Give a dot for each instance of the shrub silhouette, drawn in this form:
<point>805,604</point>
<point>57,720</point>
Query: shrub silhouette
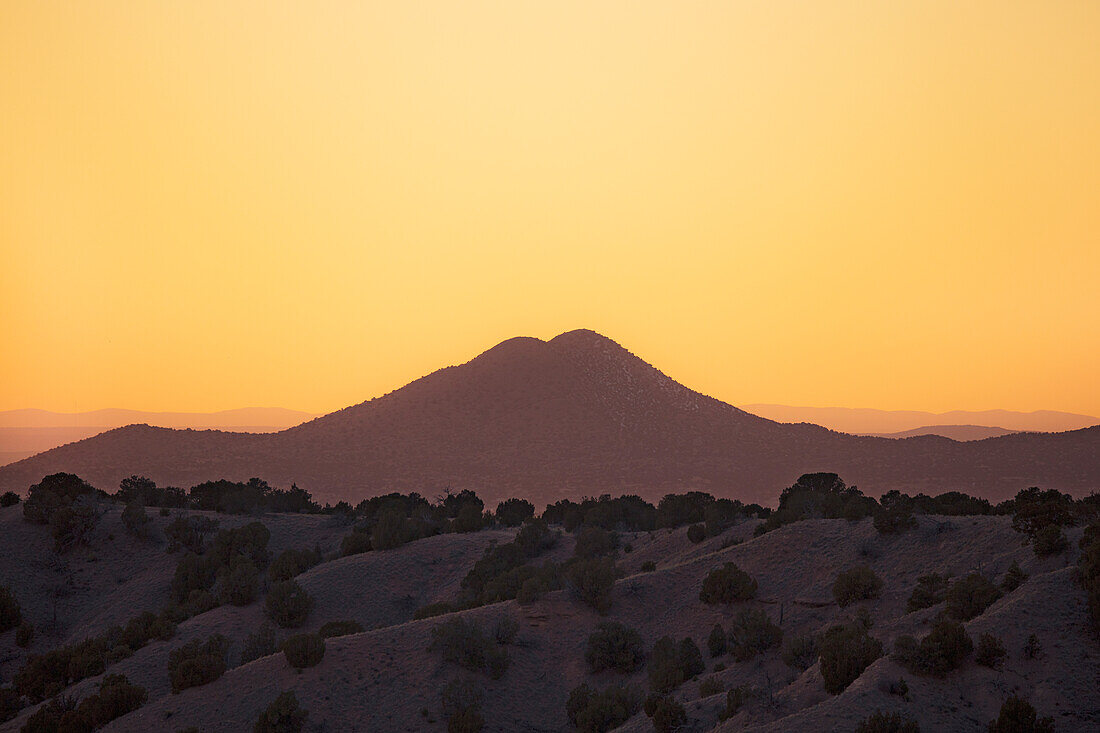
<point>1014,578</point>
<point>240,582</point>
<point>943,650</point>
<point>24,634</point>
<point>390,530</point>
<point>469,519</point>
<point>505,631</point>
<point>48,718</point>
<point>845,652</point>
<point>462,706</point>
<point>356,542</point>
<point>595,542</point>
<point>10,613</point>
<point>817,495</point>
<point>288,605</point>
<point>648,566</point>
<point>1018,716</point>
<point>717,641</point>
<point>304,650</point>
<point>332,629</point>
<point>894,519</point>
<point>9,704</point>
<point>597,711</point>
<point>727,584</point>
<point>292,562</point>
<point>9,498</point>
<point>858,584</point>
<point>665,671</point>
<point>800,652</point>
<point>1034,509</point>
<point>136,520</point>
<point>72,525</point>
<point>970,596</point>
<point>991,651</point>
<point>614,646</point>
<point>1032,648</point>
<point>197,662</point>
<point>691,659</point>
<point>259,644</point>
<point>696,533</point>
<point>667,713</point>
<point>462,642</point>
<point>880,722</point>
<point>1049,540</point>
<point>593,580</point>
<point>283,715</point>
<point>514,512</point>
<point>751,632</point>
<point>735,700</point>
<point>711,686</point>
<point>189,533</point>
<point>930,590</point>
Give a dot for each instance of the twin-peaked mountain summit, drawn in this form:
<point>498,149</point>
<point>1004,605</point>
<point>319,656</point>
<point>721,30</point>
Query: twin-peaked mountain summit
<point>575,415</point>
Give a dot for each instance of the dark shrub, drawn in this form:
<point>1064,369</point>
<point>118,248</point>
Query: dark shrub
<point>991,651</point>
<point>136,520</point>
<point>505,631</point>
<point>668,715</point>
<point>10,613</point>
<point>1034,509</point>
<point>304,650</point>
<point>857,584</point>
<point>648,566</point>
<point>970,596</point>
<point>1018,716</point>
<point>260,644</point>
<point>48,717</point>
<point>943,650</point>
<point>931,589</point>
<point>1014,578</point>
<point>800,652</point>
<point>691,659</point>
<point>469,519</point>
<point>595,542</point>
<point>1049,540</point>
<point>727,584</point>
<point>716,642</point>
<point>248,542</point>
<point>197,662</point>
<point>288,604</point>
<point>535,537</point>
<point>9,703</point>
<point>193,573</point>
<point>665,671</point>
<point>283,715</point>
<point>290,563</point>
<point>189,533</point>
<point>72,525</point>
<point>696,533</point>
<point>53,493</point>
<point>355,543</point>
<point>24,634</point>
<point>593,711</point>
<point>9,498</point>
<point>735,699</point>
<point>462,642</point>
<point>1032,648</point>
<point>845,652</point>
<point>593,580</point>
<point>390,530</point>
<point>514,512</point>
<point>752,632</point>
<point>333,629</point>
<point>880,722</point>
<point>711,686</point>
<point>116,697</point>
<point>894,519</point>
<point>239,582</point>
<point>615,646</point>
<point>462,706</point>
<point>818,495</point>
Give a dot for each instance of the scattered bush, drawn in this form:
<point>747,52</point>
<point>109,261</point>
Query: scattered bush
<point>505,631</point>
<point>1034,509</point>
<point>304,650</point>
<point>615,646</point>
<point>800,652</point>
<point>9,498</point>
<point>462,707</point>
<point>332,629</point>
<point>717,641</point>
<point>24,634</point>
<point>469,519</point>
<point>727,584</point>
<point>10,613</point>
<point>1014,578</point>
<point>514,512</point>
<point>752,632</point>
<point>845,652</point>
<point>991,651</point>
<point>667,713</point>
<point>189,533</point>
<point>818,495</point>
<point>283,715</point>
<point>880,722</point>
<point>968,597</point>
<point>857,584</point>
<point>930,590</point>
<point>197,662</point>
<point>648,566</point>
<point>136,520</point>
<point>1032,648</point>
<point>895,518</point>
<point>288,604</point>
<point>735,700</point>
<point>356,542</point>
<point>943,650</point>
<point>9,703</point>
<point>670,664</point>
<point>696,533</point>
<point>592,581</point>
<point>691,659</point>
<point>592,711</point>
<point>260,644</point>
<point>290,563</point>
<point>711,686</point>
<point>1018,716</point>
<point>462,642</point>
<point>48,717</point>
<point>595,542</point>
<point>239,583</point>
<point>1049,540</point>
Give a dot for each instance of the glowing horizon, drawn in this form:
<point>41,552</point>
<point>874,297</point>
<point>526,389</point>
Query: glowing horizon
<point>223,204</point>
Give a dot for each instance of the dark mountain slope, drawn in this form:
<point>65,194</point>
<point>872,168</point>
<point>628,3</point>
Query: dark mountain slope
<point>572,416</point>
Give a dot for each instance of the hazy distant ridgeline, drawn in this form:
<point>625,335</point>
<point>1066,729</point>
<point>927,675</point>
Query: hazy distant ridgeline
<point>576,415</point>
<point>867,421</point>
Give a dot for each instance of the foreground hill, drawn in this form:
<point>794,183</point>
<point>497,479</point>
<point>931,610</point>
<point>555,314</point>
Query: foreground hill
<point>574,415</point>
<point>386,678</point>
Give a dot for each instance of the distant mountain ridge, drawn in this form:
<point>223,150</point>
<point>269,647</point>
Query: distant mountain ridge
<point>576,415</point>
<point>869,421</point>
<point>954,432</point>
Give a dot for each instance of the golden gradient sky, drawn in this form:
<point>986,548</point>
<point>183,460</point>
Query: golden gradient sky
<point>206,205</point>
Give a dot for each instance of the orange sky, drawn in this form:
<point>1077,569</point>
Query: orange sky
<point>207,205</point>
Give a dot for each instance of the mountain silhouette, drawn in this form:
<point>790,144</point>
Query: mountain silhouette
<point>576,415</point>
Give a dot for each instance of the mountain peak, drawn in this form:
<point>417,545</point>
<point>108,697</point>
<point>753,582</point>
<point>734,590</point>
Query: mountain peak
<point>582,338</point>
